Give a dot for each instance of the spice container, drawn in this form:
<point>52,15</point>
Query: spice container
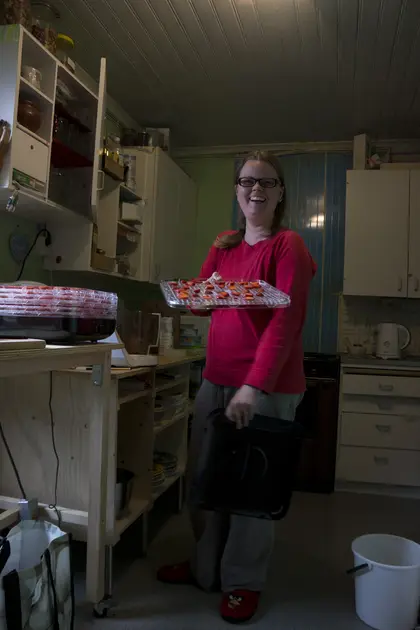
<point>17,12</point>
<point>65,47</point>
<point>29,115</point>
<point>44,18</point>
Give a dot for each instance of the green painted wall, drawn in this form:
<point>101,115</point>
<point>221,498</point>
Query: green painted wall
<point>9,224</point>
<point>214,177</point>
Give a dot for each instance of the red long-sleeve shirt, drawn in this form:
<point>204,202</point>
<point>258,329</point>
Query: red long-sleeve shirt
<point>263,347</point>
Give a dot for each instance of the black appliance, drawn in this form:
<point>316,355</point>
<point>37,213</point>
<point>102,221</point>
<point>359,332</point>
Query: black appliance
<point>318,414</point>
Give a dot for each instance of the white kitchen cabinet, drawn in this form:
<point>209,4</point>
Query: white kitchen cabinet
<point>169,223</point>
<point>165,204</point>
<point>379,431</point>
<point>376,233</point>
<point>414,234</point>
<point>56,167</point>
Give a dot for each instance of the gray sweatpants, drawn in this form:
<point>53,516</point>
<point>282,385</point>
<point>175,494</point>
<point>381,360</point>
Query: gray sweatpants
<point>230,551</point>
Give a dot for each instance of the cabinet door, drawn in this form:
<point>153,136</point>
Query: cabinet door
<point>414,234</point>
<point>165,259</point>
<point>376,237</point>
<point>99,137</point>
<point>187,225</point>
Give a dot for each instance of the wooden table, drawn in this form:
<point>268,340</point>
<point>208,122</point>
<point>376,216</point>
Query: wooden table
<point>25,397</point>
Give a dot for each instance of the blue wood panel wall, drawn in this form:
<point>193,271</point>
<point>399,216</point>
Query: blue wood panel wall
<point>315,208</point>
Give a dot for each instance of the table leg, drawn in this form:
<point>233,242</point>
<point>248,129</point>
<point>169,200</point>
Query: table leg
<point>98,451</point>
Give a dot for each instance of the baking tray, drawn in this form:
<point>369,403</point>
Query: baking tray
<point>211,294</point>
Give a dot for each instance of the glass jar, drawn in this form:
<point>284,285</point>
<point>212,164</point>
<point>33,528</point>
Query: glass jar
<point>29,115</point>
<point>44,18</point>
<point>17,12</point>
<point>65,47</point>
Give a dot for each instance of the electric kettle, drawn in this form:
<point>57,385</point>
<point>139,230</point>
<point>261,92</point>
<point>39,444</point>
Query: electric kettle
<point>392,338</point>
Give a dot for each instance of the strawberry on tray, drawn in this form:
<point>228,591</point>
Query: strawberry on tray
<point>217,292</point>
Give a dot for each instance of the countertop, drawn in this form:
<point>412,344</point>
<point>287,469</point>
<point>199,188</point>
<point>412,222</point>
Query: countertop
<point>172,360</point>
<point>370,362</point>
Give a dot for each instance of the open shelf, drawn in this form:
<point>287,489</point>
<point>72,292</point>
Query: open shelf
<point>112,168</point>
<point>127,195</point>
<point>159,427</point>
<point>173,383</point>
<point>128,227</point>
<point>63,156</point>
<point>169,481</point>
<point>33,135</point>
<point>36,56</point>
<point>80,91</point>
<point>137,507</point>
<point>29,90</point>
<point>61,111</point>
<point>129,396</point>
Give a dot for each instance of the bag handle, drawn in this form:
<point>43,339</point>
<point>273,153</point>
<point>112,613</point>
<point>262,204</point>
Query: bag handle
<point>360,569</point>
<point>47,556</point>
<point>4,553</point>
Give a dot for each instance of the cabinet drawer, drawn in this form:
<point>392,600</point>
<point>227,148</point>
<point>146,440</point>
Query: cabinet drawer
<point>374,465</point>
<point>382,405</point>
<point>30,156</point>
<point>360,384</point>
<point>380,430</point>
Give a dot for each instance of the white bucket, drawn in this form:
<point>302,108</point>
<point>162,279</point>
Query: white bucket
<point>387,581</point>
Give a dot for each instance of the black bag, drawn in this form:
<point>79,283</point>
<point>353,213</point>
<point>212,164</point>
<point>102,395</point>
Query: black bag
<point>249,471</point>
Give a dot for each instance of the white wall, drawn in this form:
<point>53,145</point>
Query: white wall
<point>360,316</point>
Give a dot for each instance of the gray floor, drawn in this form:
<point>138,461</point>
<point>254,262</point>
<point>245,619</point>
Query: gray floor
<point>307,589</point>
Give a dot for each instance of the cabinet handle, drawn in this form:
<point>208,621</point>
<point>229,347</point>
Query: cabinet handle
<point>385,405</point>
<point>416,284</point>
<point>400,283</point>
<point>383,428</point>
<point>157,271</point>
<point>386,388</point>
<point>101,186</point>
<point>381,461</point>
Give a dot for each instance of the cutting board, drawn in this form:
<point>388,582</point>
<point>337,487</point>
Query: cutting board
<point>22,344</point>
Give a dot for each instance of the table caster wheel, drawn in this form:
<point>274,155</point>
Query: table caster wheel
<point>101,610</point>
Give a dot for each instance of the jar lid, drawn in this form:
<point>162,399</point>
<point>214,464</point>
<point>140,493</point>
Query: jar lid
<point>65,38</point>
<point>49,8</point>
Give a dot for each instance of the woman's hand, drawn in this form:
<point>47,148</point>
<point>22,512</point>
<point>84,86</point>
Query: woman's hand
<point>242,406</point>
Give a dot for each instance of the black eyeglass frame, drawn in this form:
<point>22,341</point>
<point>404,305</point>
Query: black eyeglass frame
<point>259,180</point>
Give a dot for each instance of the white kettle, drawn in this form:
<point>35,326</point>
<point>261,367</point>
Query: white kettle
<point>392,338</point>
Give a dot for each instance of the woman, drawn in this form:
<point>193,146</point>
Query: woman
<point>254,365</point>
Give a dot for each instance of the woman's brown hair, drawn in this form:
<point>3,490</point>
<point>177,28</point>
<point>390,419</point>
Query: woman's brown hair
<point>227,241</point>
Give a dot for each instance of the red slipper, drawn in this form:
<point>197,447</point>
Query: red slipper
<point>176,574</point>
<point>239,606</point>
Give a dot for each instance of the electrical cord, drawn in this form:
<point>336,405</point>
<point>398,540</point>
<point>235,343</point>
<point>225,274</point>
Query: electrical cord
<point>12,461</point>
<point>52,506</point>
<point>47,234</point>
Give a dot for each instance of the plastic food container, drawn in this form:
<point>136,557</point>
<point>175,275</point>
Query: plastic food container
<point>65,47</point>
<point>44,18</point>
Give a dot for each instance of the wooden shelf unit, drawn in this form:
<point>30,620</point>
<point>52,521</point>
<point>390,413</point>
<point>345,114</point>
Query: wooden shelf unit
<point>99,425</point>
<point>81,440</point>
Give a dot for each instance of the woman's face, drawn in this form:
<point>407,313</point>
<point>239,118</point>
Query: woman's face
<point>258,202</point>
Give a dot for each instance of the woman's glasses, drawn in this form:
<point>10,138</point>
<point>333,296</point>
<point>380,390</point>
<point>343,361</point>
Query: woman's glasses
<point>264,182</point>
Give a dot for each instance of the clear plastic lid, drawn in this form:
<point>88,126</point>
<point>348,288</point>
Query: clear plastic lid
<point>45,301</point>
